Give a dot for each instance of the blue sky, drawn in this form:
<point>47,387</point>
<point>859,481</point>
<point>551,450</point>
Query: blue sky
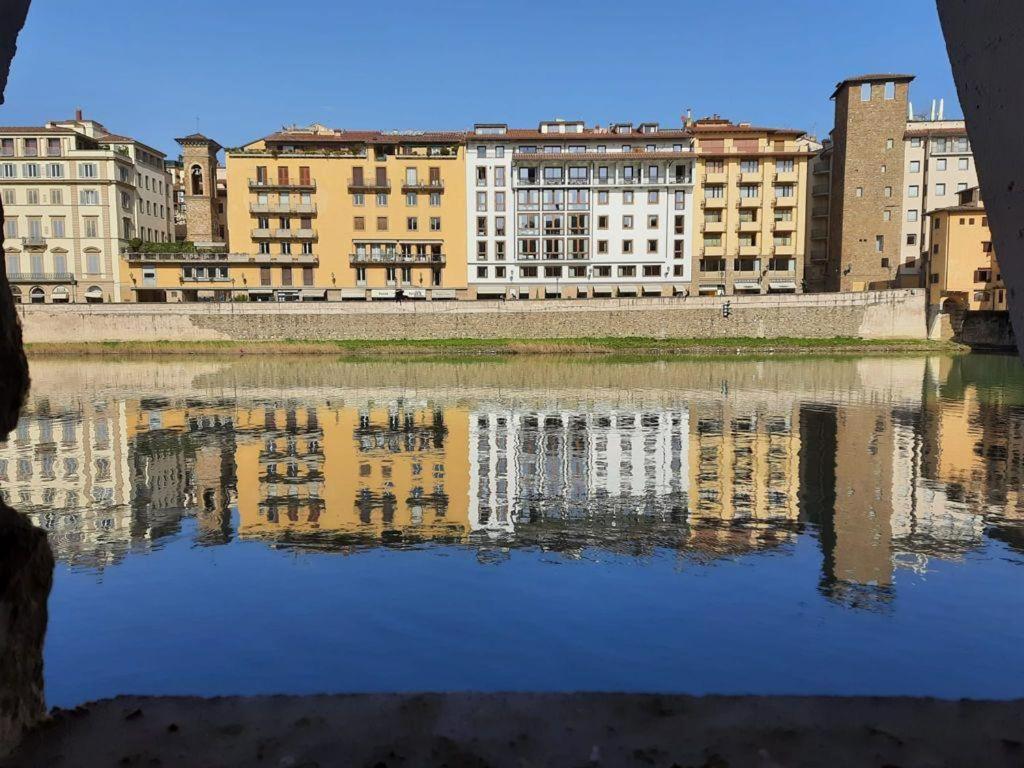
<point>149,70</point>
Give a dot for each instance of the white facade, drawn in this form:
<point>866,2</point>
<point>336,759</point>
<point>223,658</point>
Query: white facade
<point>569,211</point>
<point>939,163</point>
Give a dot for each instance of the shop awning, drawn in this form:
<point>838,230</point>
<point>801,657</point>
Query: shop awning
<point>95,292</point>
<point>443,293</point>
<point>260,292</point>
<point>549,291</point>
<point>652,290</point>
<point>680,288</point>
<point>747,285</point>
<point>488,290</point>
<point>627,290</point>
<point>581,291</point>
<point>353,293</point>
<point>783,285</point>
<point>311,293</point>
<point>205,294</point>
<point>602,290</point>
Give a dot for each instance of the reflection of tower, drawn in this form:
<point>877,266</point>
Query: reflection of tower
<point>200,184</point>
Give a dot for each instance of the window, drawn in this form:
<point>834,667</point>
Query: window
<point>30,170</point>
<point>915,166</point>
<point>885,263</point>
<point>359,223</point>
<point>886,215</point>
<point>481,201</point>
<point>940,189</point>
<point>627,271</point>
<point>499,151</point>
<point>412,223</point>
<point>435,223</point>
<point>481,151</point>
<point>57,227</point>
<point>714,191</point>
<point>986,247</point>
<point>6,147</point>
<point>602,197</point>
<point>882,169</point>
<point>784,190</point>
<point>602,246</point>
<point>865,92</point>
<point>627,222</point>
<point>680,199</point>
<point>91,226</point>
<point>527,271</point>
<point>749,166</point>
<point>888,143</point>
<point>963,163</point>
<point>602,270</point>
<point>481,250</point>
<point>87,170</point>
<point>32,196</point>
<point>499,201</point>
<point>879,243</point>
<point>411,199</point>
<point>8,171</point>
<point>652,270</point>
<point>652,221</point>
<point>652,196</point>
<point>627,246</point>
<point>499,272</point>
<point>940,164</point>
<point>382,223</point>
<point>784,166</point>
<point>652,246</point>
<point>961,186</point>
<point>481,272</point>
<point>915,142</point>
<point>382,199</point>
<point>912,214</point>
<point>602,222</point>
<point>911,239</point>
<point>627,198</point>
<point>913,190</point>
<point>92,263</point>
<point>890,91</point>
<point>887,191</point>
<point>435,199</point>
<point>750,190</point>
<point>859,192</point>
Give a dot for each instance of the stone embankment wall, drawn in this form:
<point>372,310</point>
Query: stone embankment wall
<point>898,314</point>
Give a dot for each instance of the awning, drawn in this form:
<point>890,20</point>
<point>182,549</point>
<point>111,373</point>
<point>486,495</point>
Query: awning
<point>488,290</point>
<point>707,287</point>
<point>260,292</point>
<point>747,285</point>
<point>627,290</point>
<point>201,294</point>
<point>415,293</point>
<point>442,293</point>
<point>784,285</point>
<point>652,290</point>
<point>581,291</point>
<point>97,293</point>
<point>314,293</point>
<point>602,290</point>
<point>680,288</point>
<point>353,293</point>
<point>548,291</point>
<point>382,293</point>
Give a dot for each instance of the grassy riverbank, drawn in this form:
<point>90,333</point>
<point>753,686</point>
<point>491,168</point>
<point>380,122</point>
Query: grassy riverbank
<point>478,347</point>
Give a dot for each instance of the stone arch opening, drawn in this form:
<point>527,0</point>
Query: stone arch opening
<point>16,294</point>
<point>37,295</point>
<point>196,180</point>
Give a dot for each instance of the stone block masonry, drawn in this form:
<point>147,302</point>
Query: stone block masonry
<point>898,314</point>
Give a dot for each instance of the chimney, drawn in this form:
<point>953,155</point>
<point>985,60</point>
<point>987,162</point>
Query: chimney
<point>78,114</point>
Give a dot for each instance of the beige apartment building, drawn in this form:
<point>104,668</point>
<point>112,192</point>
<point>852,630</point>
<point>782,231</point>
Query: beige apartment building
<point>75,197</point>
<point>753,207</point>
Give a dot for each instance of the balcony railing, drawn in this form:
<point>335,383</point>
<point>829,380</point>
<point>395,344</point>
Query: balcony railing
<point>284,234</point>
<point>430,185</point>
<point>819,190</point>
<point>369,185</point>
<point>41,277</point>
<point>33,241</point>
<point>256,184</point>
<point>285,208</point>
<point>396,257</point>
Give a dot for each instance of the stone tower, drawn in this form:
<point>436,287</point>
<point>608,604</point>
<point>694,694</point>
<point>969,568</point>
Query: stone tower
<point>867,182</point>
<point>199,160</point>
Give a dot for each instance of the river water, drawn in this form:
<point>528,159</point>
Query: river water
<point>814,525</point>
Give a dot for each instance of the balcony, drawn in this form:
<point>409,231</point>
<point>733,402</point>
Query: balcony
<point>784,202</point>
<point>819,213</point>
<point>749,249</point>
<point>309,185</point>
<point>713,250</point>
<point>784,225</point>
<point>430,185</point>
<point>394,257</point>
<point>749,202</point>
<point>284,234</point>
<point>819,234</point>
<point>786,177</point>
<point>784,249</point>
<point>750,177</point>
<point>713,202</point>
<point>40,277</point>
<point>749,226</point>
<point>822,168</point>
<point>369,185</point>
<point>715,177</point>
<point>285,208</point>
<point>819,190</point>
<point>713,226</point>
<point>34,242</point>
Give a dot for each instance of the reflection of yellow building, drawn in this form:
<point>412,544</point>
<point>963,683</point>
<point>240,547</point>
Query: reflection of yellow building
<point>348,469</point>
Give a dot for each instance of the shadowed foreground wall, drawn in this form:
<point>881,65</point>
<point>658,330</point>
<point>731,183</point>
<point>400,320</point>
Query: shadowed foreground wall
<point>26,564</point>
<point>873,315</point>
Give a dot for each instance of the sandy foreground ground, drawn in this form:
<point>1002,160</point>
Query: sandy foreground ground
<point>524,730</point>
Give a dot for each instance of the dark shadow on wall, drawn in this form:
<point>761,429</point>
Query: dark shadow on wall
<point>26,563</point>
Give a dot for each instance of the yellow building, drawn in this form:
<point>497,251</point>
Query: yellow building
<point>962,265</point>
<point>752,192</point>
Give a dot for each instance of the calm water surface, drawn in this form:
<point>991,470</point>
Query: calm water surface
<point>850,526</point>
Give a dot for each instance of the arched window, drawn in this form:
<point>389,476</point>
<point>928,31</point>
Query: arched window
<point>37,295</point>
<point>16,293</point>
<point>94,294</point>
<point>196,174</point>
<point>60,295</point>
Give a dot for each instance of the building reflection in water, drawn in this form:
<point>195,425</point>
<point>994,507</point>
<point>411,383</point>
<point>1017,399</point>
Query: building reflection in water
<point>892,464</point>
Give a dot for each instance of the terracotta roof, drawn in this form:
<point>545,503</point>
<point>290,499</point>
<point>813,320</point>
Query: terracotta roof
<point>969,208</point>
<point>364,137</point>
<point>545,157</point>
<point>114,138</point>
<point>723,126</point>
<point>878,77</point>
<point>960,130</point>
<point>588,134</point>
<point>33,129</point>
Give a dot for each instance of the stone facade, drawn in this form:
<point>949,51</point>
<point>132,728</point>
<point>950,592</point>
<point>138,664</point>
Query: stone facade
<point>868,159</point>
<point>869,315</point>
<point>200,184</point>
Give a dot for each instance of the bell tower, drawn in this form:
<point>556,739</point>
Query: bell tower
<point>199,180</point>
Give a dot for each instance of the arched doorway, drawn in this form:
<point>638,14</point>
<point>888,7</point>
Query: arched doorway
<point>37,295</point>
<point>60,295</point>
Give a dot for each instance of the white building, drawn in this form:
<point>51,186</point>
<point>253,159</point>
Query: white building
<point>569,211</point>
<point>75,196</point>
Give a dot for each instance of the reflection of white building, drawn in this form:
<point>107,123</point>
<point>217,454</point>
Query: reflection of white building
<point>68,472</point>
<point>570,464</point>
